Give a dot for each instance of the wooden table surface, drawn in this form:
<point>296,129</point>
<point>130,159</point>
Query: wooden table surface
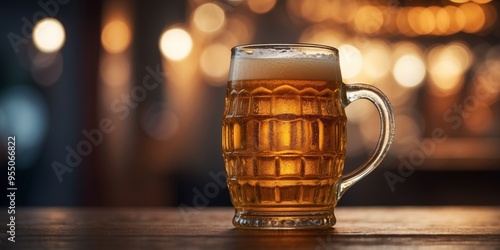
<point>211,228</point>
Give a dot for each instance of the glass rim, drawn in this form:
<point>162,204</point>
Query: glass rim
<point>284,46</point>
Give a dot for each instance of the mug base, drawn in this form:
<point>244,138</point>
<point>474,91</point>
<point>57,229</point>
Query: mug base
<point>283,221</point>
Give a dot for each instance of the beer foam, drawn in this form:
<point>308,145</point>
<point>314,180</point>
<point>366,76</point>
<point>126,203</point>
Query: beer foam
<point>284,64</point>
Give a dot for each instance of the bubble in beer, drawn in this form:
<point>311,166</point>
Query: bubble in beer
<point>285,63</point>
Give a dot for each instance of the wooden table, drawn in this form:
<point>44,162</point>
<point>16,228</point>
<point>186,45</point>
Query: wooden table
<point>211,228</point>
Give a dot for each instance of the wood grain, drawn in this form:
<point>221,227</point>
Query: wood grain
<point>211,228</point>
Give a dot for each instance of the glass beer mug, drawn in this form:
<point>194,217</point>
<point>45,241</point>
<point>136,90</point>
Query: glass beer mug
<point>284,135</point>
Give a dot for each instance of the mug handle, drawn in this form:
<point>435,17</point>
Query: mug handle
<point>355,92</point>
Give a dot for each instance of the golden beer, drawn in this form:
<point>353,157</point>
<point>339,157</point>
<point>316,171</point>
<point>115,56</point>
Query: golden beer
<point>283,137</point>
<point>283,144</point>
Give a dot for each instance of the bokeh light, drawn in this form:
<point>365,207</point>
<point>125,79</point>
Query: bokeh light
<point>24,112</point>
<point>403,24</point>
<point>354,139</point>
<point>43,60</point>
<point>422,20</point>
<point>409,71</point>
<point>445,75</point>
<point>321,34</point>
<point>241,28</point>
<point>481,1</point>
<point>115,70</point>
<point>369,19</point>
<point>47,70</point>
<point>370,129</point>
<point>261,6</point>
<point>343,11</point>
<point>314,11</point>
<point>493,56</point>
<point>427,21</point>
<point>442,21</point>
<point>376,62</point>
<point>115,36</point>
<point>408,131</point>
<point>414,19</point>
<point>351,61</point>
<point>447,65</point>
<point>491,13</point>
<point>176,44</point>
<point>214,62</point>
<point>474,16</point>
<point>358,112</point>
<point>48,35</point>
<point>486,78</point>
<point>462,54</point>
<point>209,17</point>
<point>480,120</point>
<point>410,21</point>
<point>458,22</point>
<point>160,123</point>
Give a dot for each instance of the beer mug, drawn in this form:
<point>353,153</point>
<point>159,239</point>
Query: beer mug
<point>284,135</point>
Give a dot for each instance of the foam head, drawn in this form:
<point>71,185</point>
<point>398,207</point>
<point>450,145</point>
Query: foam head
<point>289,62</point>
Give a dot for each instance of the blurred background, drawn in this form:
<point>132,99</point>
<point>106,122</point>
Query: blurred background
<point>119,103</point>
